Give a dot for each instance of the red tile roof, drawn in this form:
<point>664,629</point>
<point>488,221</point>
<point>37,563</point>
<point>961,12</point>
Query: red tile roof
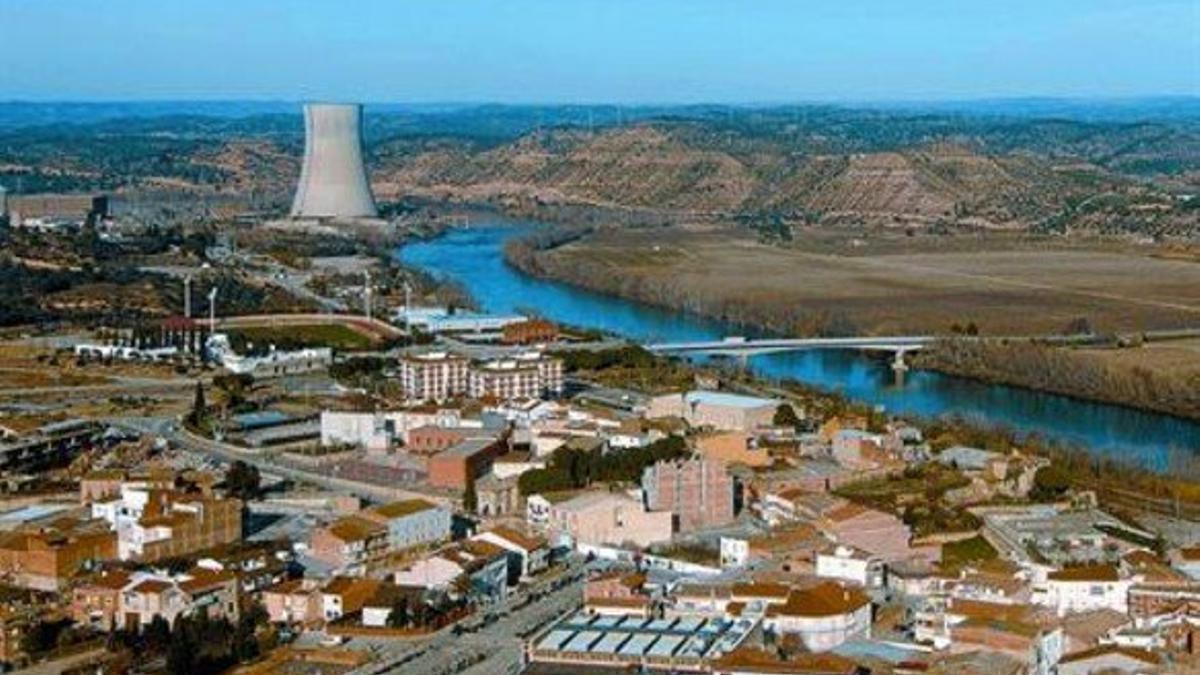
<point>1086,573</point>
<point>825,599</point>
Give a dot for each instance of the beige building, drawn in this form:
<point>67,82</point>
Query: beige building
<point>132,601</point>
<point>823,616</point>
<point>353,545</point>
<point>715,410</point>
<point>606,518</point>
<point>294,601</point>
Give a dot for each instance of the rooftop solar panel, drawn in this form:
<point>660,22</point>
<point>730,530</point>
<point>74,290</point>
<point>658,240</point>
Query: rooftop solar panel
<point>611,642</point>
<point>637,644</point>
<point>660,624</point>
<point>555,639</point>
<point>694,647</point>
<point>606,621</point>
<point>582,641</point>
<point>632,622</point>
<point>665,646</point>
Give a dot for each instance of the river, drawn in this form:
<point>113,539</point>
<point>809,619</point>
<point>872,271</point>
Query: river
<point>474,258</point>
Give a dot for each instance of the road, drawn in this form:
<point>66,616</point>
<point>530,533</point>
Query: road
<point>62,665</point>
<point>496,648</point>
<point>143,386</point>
<point>899,343</point>
<point>181,438</point>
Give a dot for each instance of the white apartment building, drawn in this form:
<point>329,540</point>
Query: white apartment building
<point>381,429</point>
<point>434,376</point>
<point>1083,589</point>
<point>530,375</point>
<point>438,376</point>
<point>847,563</point>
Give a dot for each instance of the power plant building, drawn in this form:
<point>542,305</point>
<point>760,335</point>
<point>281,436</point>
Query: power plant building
<point>333,179</point>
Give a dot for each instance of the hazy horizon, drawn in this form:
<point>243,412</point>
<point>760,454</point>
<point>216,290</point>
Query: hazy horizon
<point>593,52</point>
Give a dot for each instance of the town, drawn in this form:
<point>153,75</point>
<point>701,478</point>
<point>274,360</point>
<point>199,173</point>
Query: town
<point>496,493</point>
<point>655,338</point>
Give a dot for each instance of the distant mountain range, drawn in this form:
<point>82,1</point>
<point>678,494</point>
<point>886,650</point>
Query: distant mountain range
<point>16,113</point>
<point>1121,166</point>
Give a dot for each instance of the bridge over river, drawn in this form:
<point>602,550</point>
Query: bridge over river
<point>743,348</point>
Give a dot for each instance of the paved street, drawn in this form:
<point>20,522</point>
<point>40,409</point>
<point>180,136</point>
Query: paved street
<point>169,429</point>
<point>495,648</point>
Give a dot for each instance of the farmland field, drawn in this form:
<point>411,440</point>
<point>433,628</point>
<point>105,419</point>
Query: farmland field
<point>1008,288</point>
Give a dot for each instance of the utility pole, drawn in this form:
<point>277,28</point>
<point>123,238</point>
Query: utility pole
<point>212,310</point>
<point>187,296</point>
<point>407,306</point>
<point>367,293</point>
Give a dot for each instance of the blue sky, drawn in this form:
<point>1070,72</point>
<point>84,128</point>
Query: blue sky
<point>597,50</point>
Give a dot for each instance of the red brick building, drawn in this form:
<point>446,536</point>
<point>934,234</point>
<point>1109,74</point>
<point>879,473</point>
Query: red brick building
<point>467,460</point>
<point>48,557</point>
<point>432,439</point>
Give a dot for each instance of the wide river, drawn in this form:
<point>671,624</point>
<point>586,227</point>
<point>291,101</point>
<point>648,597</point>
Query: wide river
<point>474,258</point>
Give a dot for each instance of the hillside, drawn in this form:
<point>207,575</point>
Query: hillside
<point>767,168</point>
<point>664,167</point>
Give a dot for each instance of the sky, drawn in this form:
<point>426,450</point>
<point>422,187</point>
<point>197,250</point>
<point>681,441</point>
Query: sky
<point>597,51</point>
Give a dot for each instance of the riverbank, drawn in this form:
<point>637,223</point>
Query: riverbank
<point>1161,378</point>
<point>474,258</point>
<point>1026,291</point>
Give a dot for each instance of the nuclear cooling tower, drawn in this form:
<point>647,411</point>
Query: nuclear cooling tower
<point>333,180</point>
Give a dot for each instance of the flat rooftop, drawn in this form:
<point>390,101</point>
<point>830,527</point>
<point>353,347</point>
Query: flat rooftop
<point>614,639</point>
<point>728,400</point>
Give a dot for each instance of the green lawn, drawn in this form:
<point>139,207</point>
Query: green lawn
<point>967,552</point>
<point>295,337</point>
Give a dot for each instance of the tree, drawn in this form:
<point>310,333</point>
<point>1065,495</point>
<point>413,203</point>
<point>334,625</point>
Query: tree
<point>42,637</point>
<point>420,615</point>
<point>399,616</point>
<point>199,406</point>
<point>1050,482</point>
<point>785,416</point>
<point>234,388</point>
<point>158,634</point>
<point>245,641</point>
<point>470,498</point>
<point>243,481</point>
<point>1079,326</point>
<point>181,656</point>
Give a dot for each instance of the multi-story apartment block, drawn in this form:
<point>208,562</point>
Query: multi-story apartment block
<point>530,375</point>
<point>434,376</point>
<point>438,376</point>
<point>698,492</point>
<point>411,522</point>
<point>354,545</point>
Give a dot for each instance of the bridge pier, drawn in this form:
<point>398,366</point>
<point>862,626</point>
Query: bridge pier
<point>899,367</point>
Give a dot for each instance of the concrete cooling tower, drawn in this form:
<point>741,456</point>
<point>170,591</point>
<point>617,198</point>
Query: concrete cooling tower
<point>333,180</point>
